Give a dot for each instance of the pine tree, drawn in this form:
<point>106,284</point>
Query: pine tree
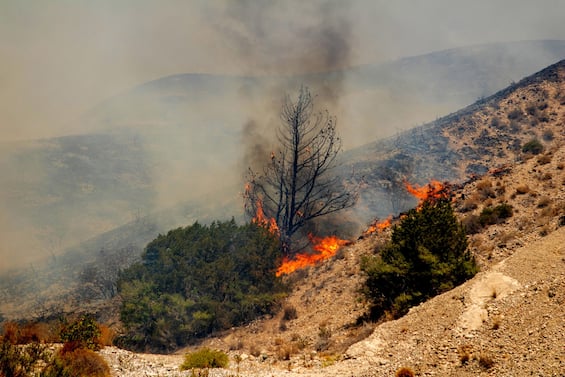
<point>427,255</point>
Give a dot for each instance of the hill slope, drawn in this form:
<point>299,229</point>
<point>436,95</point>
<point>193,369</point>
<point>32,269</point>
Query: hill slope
<point>507,320</point>
<point>173,139</point>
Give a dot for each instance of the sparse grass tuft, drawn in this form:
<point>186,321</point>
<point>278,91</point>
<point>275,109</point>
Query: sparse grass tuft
<point>486,361</point>
<point>289,313</point>
<point>485,190</point>
<point>544,201</point>
<point>324,338</point>
<point>464,354</point>
<point>544,159</point>
<point>404,372</point>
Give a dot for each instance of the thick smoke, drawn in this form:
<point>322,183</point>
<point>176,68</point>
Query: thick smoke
<point>292,52</point>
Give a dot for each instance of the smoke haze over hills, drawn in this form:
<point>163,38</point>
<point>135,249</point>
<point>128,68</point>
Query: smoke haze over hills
<point>149,133</point>
<point>60,59</point>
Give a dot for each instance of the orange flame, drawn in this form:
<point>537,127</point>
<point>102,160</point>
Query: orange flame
<point>326,248</point>
<point>264,221</point>
<point>377,226</point>
<point>433,190</point>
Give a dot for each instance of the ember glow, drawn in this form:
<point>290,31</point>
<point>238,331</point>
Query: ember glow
<point>325,248</point>
<point>378,226</point>
<point>433,190</point>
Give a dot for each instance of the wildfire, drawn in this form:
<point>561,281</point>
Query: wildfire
<point>325,247</point>
<point>377,226</point>
<point>264,221</point>
<point>433,190</point>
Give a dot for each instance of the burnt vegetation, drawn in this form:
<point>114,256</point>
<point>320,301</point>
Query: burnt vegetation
<point>299,184</point>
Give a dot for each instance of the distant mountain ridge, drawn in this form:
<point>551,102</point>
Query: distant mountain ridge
<point>171,140</point>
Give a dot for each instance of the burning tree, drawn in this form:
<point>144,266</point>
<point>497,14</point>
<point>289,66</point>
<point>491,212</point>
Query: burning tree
<point>297,184</point>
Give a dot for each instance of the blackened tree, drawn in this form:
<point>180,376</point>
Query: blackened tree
<point>298,184</point>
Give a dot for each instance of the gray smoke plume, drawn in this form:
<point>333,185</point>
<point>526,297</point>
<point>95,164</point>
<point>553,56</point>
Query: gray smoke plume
<point>276,45</point>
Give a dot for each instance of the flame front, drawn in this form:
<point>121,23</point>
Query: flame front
<point>264,221</point>
<point>433,190</point>
<point>325,247</point>
<point>377,226</point>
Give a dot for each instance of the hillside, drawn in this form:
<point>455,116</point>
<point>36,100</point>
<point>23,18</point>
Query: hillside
<point>470,142</point>
<point>171,140</point>
<point>507,320</point>
<point>510,313</point>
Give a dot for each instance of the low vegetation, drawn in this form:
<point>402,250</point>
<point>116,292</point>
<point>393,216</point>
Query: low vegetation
<point>533,146</point>
<point>205,358</point>
<point>496,214</point>
<point>24,356</point>
<point>199,279</point>
<point>427,255</point>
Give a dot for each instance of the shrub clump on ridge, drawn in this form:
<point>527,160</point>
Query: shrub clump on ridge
<point>427,255</point>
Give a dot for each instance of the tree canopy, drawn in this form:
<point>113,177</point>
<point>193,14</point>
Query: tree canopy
<point>427,255</point>
<point>199,279</point>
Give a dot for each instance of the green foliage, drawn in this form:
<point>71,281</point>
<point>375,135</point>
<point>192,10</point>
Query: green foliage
<point>205,358</point>
<point>35,358</point>
<point>83,333</point>
<point>20,361</point>
<point>199,279</point>
<point>533,146</point>
<point>493,215</point>
<point>427,255</point>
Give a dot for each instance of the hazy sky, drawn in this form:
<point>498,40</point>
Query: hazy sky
<point>59,58</point>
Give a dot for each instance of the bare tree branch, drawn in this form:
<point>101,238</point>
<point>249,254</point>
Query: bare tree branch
<point>297,184</point>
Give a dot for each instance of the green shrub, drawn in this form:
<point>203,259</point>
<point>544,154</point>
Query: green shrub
<point>427,255</point>
<point>515,114</point>
<point>20,361</point>
<point>205,358</point>
<point>472,224</point>
<point>82,333</point>
<point>199,279</point>
<point>533,146</point>
<point>494,215</point>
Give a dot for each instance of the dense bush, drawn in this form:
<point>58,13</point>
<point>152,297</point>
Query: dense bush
<point>199,279</point>
<point>82,333</point>
<point>533,146</point>
<point>494,215</point>
<point>20,361</point>
<point>78,362</point>
<point>427,255</point>
<point>23,351</point>
<point>205,358</point>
